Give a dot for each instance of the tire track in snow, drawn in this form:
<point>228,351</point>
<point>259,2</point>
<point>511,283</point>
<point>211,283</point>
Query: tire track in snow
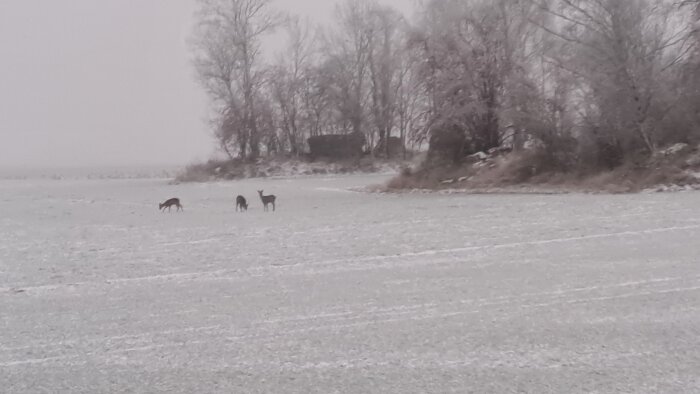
<point>259,271</point>
<point>510,245</point>
<point>270,328</point>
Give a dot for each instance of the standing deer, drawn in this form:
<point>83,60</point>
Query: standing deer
<point>241,203</point>
<point>169,204</point>
<point>267,200</point>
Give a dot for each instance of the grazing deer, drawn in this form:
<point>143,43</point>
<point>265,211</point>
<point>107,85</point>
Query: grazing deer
<point>267,200</point>
<point>169,204</point>
<point>241,203</point>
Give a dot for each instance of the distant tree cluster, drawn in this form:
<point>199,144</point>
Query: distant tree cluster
<point>591,82</point>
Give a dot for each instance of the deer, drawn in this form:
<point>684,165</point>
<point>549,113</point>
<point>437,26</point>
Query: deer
<point>169,204</point>
<point>267,200</point>
<point>241,204</point>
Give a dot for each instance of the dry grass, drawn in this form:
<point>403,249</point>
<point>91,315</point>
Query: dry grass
<point>535,171</point>
<point>630,179</point>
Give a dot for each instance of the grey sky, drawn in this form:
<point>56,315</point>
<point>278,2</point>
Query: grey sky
<point>105,82</point>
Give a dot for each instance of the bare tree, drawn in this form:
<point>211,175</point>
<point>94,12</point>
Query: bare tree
<point>687,113</point>
<point>293,71</point>
<point>227,46</point>
<point>384,57</point>
<point>412,104</point>
<point>347,50</point>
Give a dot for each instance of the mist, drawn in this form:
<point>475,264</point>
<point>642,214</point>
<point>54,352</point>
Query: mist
<point>108,83</point>
<point>334,196</point>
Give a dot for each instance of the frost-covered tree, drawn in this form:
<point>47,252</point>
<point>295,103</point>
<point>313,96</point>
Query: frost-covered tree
<point>623,54</point>
<point>470,51</point>
<point>592,82</point>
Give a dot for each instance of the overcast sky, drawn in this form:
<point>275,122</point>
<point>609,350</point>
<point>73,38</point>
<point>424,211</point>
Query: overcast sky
<point>105,82</point>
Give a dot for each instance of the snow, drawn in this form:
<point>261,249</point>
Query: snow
<point>674,149</point>
<point>343,291</point>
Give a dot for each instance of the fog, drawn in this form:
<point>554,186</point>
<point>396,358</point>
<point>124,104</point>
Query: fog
<point>105,83</point>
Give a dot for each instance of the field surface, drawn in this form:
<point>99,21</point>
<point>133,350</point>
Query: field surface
<point>344,292</point>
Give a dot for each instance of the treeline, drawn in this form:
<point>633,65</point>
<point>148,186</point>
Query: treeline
<point>591,83</point>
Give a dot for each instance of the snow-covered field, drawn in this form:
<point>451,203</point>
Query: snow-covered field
<point>346,292</point>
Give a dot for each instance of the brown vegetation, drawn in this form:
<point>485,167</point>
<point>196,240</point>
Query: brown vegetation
<point>534,171</point>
